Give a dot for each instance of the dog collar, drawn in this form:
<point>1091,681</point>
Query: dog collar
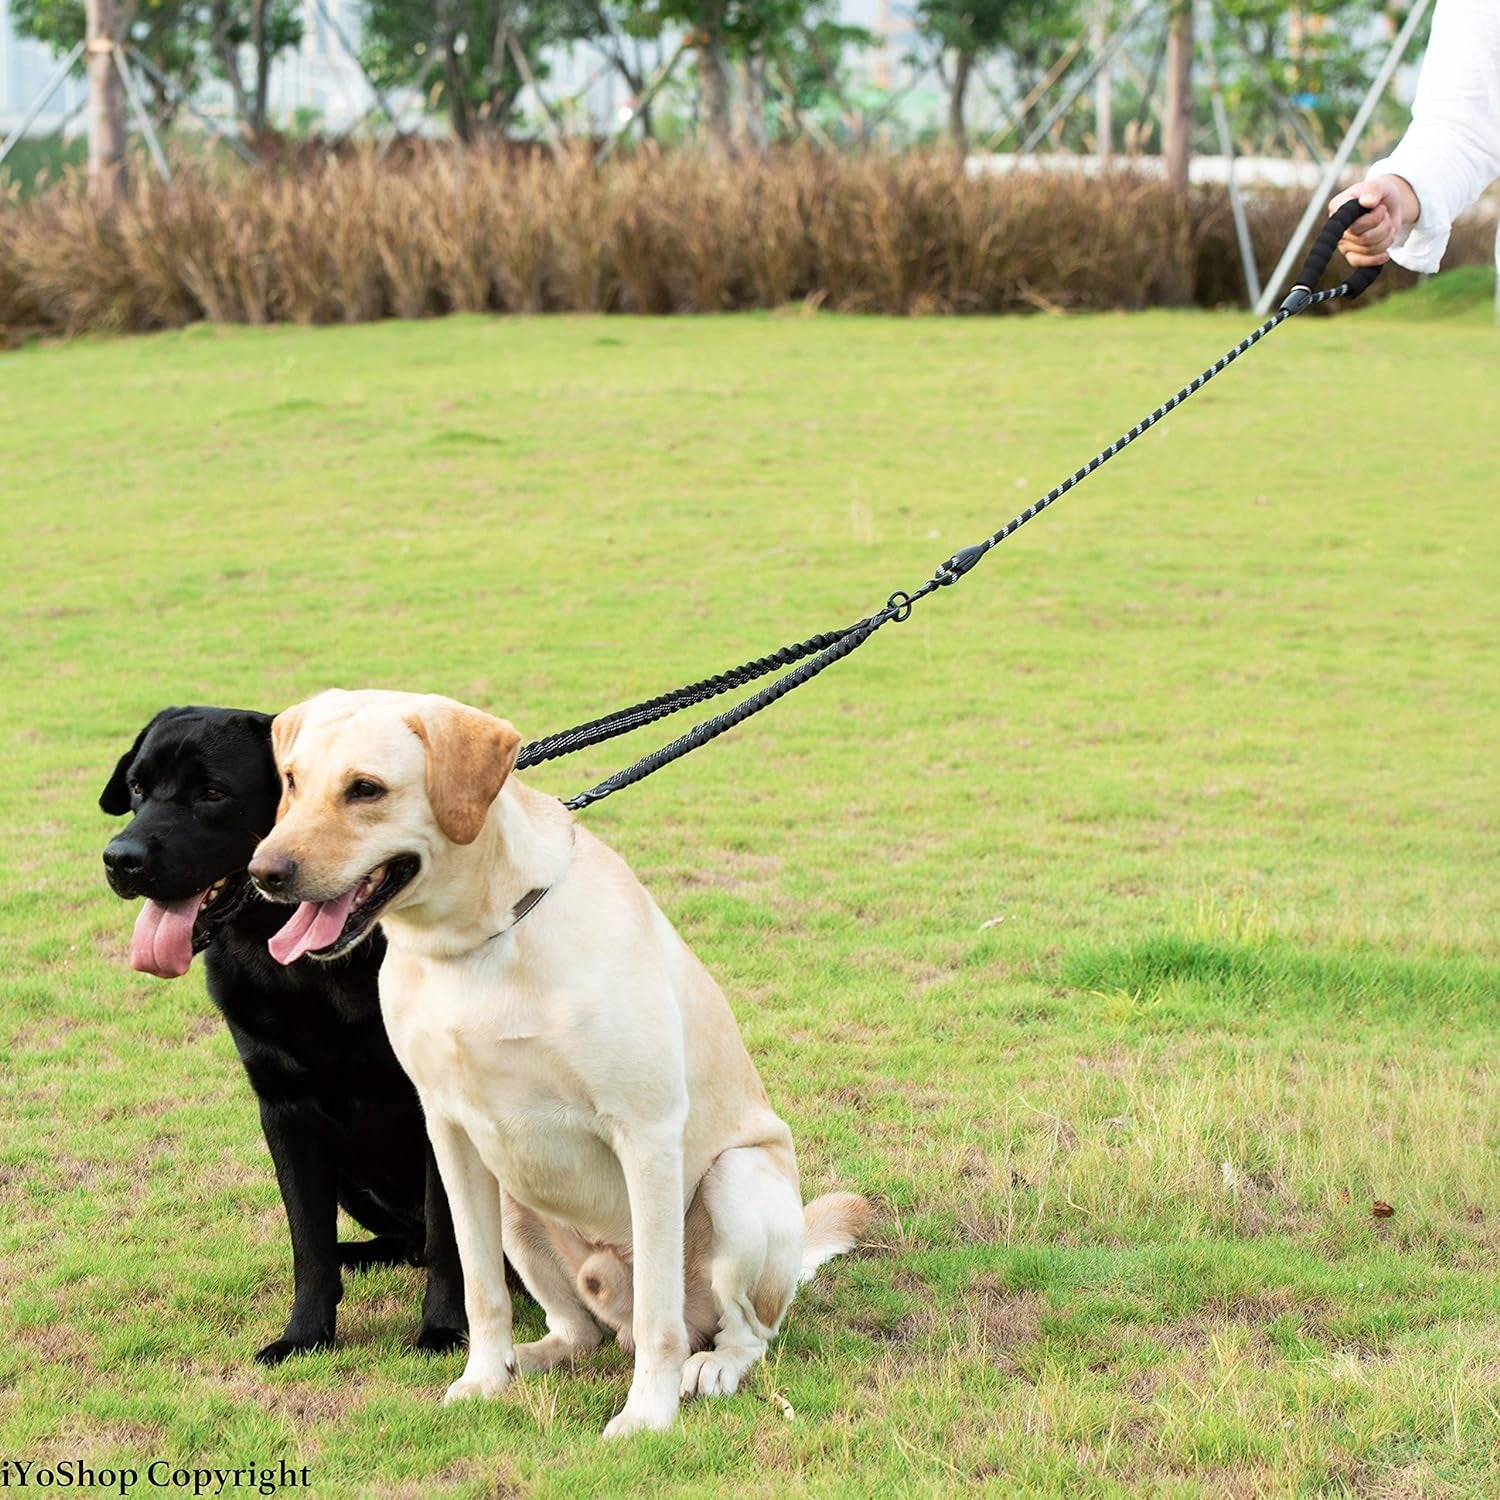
<point>525,904</point>
<point>532,898</point>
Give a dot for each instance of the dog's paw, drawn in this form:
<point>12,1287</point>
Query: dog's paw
<point>473,1385</point>
<point>439,1340</point>
<point>553,1350</point>
<point>642,1415</point>
<point>710,1374</point>
<point>282,1349</point>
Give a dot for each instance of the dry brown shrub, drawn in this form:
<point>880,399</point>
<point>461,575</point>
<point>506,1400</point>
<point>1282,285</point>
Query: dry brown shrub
<point>432,228</point>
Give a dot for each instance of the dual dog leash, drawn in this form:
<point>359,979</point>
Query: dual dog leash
<point>818,652</point>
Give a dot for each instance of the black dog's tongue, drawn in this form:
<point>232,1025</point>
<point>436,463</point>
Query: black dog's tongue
<point>162,941</point>
<point>314,925</point>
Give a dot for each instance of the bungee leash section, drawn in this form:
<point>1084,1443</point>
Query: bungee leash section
<point>809,657</point>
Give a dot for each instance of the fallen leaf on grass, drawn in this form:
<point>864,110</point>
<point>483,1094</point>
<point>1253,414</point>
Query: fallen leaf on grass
<point>782,1405</point>
<point>1382,1209</point>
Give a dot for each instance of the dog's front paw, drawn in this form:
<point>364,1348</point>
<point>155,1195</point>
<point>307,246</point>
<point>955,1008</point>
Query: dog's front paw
<point>642,1415</point>
<point>488,1382</point>
<point>283,1348</point>
<point>435,1339</point>
<point>710,1374</point>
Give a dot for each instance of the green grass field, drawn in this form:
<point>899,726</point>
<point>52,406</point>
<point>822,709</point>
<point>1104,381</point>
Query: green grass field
<point>1125,924</point>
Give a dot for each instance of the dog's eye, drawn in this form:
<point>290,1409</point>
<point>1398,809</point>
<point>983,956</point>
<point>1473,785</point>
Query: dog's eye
<point>211,794</point>
<point>364,790</point>
<point>137,790</point>
<point>291,782</point>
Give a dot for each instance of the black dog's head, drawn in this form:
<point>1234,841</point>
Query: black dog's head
<point>203,787</point>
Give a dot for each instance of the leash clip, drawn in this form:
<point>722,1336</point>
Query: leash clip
<point>900,601</point>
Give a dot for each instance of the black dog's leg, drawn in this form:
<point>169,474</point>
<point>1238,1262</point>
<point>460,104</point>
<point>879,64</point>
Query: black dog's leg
<point>309,1188</point>
<point>444,1323</point>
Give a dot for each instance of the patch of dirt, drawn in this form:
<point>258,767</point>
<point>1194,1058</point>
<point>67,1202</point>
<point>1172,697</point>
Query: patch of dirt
<point>59,1343</point>
<point>304,1404</point>
<point>45,1035</point>
<point>1116,1063</point>
<point>113,946</point>
<point>91,1442</point>
<point>497,1480</point>
<point>210,1024</point>
<point>1008,1320</point>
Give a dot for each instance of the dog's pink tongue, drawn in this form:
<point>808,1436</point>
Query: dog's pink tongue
<point>162,940</point>
<point>314,925</point>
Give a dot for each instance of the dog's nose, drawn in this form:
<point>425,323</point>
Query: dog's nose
<point>123,862</point>
<point>273,872</point>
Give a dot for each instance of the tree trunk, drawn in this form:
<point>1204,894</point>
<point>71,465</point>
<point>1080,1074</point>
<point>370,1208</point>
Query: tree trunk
<point>1177,123</point>
<point>458,100</point>
<point>713,79</point>
<point>260,43</point>
<point>750,110</point>
<point>963,66</point>
<point>105,28</point>
<point>224,53</point>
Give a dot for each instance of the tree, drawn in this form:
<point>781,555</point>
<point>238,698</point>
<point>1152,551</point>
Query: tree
<point>183,38</point>
<point>969,31</point>
<point>746,36</point>
<point>459,53</point>
<point>268,28</point>
<point>1315,60</point>
<point>621,31</point>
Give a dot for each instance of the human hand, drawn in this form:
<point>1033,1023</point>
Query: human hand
<point>1393,209</point>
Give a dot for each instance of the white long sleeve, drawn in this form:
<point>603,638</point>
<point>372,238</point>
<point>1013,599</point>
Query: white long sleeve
<point>1451,153</point>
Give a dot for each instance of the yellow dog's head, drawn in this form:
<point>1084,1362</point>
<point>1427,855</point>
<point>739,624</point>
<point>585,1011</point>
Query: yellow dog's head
<point>377,788</point>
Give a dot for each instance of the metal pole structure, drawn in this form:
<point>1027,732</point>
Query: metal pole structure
<point>1316,206</point>
<point>54,83</point>
<point>1104,89</point>
<point>332,24</point>
<point>1038,89</point>
<point>1101,59</point>
<point>393,134</point>
<point>523,67</point>
<point>177,96</point>
<point>647,95</point>
<point>1226,145</point>
<point>142,119</point>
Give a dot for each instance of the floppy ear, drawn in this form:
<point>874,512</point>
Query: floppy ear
<point>115,798</point>
<point>469,755</point>
<point>284,729</point>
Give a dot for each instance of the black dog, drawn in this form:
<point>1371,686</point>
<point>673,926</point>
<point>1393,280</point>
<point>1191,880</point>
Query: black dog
<point>341,1118</point>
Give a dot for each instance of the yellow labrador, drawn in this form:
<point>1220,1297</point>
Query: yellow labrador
<point>591,1105</point>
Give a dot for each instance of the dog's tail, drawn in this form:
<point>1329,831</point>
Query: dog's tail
<point>832,1225</point>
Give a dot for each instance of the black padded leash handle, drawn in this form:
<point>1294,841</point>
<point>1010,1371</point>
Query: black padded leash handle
<point>1321,253</point>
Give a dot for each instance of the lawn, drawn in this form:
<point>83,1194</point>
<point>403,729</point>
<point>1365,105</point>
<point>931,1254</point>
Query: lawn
<point>1124,924</point>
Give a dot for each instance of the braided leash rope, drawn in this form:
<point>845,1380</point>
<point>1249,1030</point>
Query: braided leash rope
<point>818,652</point>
